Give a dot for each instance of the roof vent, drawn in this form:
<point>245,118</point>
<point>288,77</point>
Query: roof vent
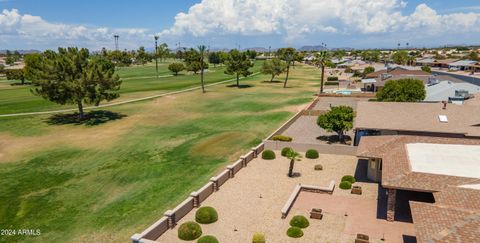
<point>443,118</point>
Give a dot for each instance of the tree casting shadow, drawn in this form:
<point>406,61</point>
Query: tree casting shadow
<point>91,118</point>
<point>272,82</point>
<point>334,139</point>
<point>241,86</point>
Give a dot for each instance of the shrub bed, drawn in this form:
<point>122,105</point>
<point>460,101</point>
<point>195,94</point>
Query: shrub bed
<point>286,150</point>
<point>311,154</point>
<point>295,232</point>
<point>268,155</point>
<point>258,238</point>
<point>206,215</point>
<point>332,78</point>
<point>345,185</point>
<point>318,167</point>
<point>349,178</point>
<point>189,231</point>
<point>299,221</point>
<point>331,83</point>
<point>207,239</point>
<point>282,138</point>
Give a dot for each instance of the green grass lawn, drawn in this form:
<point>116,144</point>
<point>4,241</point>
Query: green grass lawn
<point>102,183</point>
<point>138,81</point>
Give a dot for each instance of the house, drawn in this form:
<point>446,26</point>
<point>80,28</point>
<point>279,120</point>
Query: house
<point>383,76</point>
<point>434,63</point>
<point>452,92</point>
<point>419,119</point>
<point>463,65</point>
<point>434,180</point>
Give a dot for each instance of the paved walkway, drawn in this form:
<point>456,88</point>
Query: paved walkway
<point>306,130</point>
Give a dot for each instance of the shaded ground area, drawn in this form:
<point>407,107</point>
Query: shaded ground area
<point>91,118</point>
<point>325,102</point>
<point>252,201</point>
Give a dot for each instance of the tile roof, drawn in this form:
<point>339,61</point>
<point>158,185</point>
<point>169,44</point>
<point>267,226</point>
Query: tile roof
<point>418,117</point>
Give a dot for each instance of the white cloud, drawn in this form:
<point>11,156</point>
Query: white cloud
<point>296,19</point>
<point>27,28</point>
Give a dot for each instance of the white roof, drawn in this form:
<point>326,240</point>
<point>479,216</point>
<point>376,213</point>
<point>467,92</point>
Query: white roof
<point>369,81</point>
<point>445,159</point>
<point>463,63</point>
<point>445,89</point>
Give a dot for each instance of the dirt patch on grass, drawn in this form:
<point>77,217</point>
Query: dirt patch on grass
<point>220,143</point>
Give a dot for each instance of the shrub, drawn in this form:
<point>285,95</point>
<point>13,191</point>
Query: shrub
<point>282,138</point>
<point>318,167</point>
<point>345,185</point>
<point>268,155</point>
<point>295,232</point>
<point>189,231</point>
<point>258,238</point>
<point>331,83</point>
<point>286,150</point>
<point>299,221</point>
<point>349,178</point>
<point>311,154</point>
<point>207,239</point>
<point>332,78</point>
<point>206,215</point>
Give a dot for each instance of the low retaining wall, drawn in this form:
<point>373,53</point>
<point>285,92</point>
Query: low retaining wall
<point>321,148</point>
<point>298,188</point>
<point>354,95</point>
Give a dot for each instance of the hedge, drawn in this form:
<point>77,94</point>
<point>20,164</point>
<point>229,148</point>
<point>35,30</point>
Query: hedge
<point>295,232</point>
<point>332,78</point>
<point>311,154</point>
<point>349,178</point>
<point>345,185</point>
<point>268,155</point>
<point>331,83</point>
<point>299,221</point>
<point>208,239</point>
<point>189,231</point>
<point>206,215</point>
<point>286,150</point>
<point>282,138</point>
<point>258,238</point>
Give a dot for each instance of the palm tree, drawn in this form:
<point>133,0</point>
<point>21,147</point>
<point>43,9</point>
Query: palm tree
<point>293,156</point>
<point>321,60</point>
<point>202,49</point>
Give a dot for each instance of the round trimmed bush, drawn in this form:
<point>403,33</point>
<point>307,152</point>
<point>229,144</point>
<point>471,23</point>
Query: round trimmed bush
<point>299,221</point>
<point>206,215</point>
<point>318,167</point>
<point>268,155</point>
<point>286,150</point>
<point>207,239</point>
<point>311,154</point>
<point>349,178</point>
<point>258,238</point>
<point>294,232</point>
<point>189,231</point>
<point>345,185</point>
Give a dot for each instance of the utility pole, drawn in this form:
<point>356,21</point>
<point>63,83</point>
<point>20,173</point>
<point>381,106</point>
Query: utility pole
<point>116,41</point>
<point>156,53</point>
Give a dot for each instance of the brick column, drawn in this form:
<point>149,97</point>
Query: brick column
<point>254,150</point>
<point>171,218</point>
<point>196,199</point>
<point>244,160</point>
<point>215,183</point>
<point>391,198</point>
<point>231,173</point>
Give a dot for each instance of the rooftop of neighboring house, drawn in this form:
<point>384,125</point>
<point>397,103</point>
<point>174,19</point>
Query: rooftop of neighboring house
<point>418,117</point>
<point>444,90</point>
<point>463,63</point>
<point>383,76</point>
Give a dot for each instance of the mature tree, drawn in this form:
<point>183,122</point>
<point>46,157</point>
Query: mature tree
<point>473,55</point>
<point>402,90</point>
<point>120,58</point>
<point>339,119</point>
<point>298,57</point>
<point>321,59</point>
<point>72,76</point>
<point>9,60</point>
<point>176,67</point>
<point>202,51</point>
<point>163,52</point>
<point>426,69</point>
<point>293,156</point>
<point>273,67</point>
<point>368,70</point>
<point>2,69</point>
<point>214,58</point>
<point>141,56</point>
<point>288,55</point>
<point>371,55</point>
<point>238,63</point>
<point>193,61</point>
<point>400,57</point>
<point>16,74</point>
<point>252,54</point>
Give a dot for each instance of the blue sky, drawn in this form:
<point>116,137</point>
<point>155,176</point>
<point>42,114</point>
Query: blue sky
<point>30,24</point>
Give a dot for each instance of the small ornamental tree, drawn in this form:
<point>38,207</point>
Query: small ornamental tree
<point>238,64</point>
<point>72,76</point>
<point>273,67</point>
<point>339,119</point>
<point>176,67</point>
<point>426,69</point>
<point>293,156</point>
<point>368,70</point>
<point>402,90</point>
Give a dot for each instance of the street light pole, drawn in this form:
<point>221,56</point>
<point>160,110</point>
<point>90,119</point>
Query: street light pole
<point>156,53</point>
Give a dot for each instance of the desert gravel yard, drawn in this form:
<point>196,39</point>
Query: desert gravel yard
<point>252,202</point>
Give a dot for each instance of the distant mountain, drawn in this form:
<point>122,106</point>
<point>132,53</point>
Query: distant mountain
<point>20,51</point>
<point>257,49</point>
<point>312,48</point>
